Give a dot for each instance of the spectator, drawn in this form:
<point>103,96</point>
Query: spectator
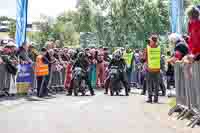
<point>23,54</point>
<point>100,70</point>
<point>194,31</point>
<point>180,47</point>
<point>10,59</point>
<point>153,69</point>
<point>42,73</point>
<point>32,53</point>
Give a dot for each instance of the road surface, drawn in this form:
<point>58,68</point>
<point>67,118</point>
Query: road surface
<point>98,114</point>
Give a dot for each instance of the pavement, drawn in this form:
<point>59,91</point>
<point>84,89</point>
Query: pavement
<point>97,114</point>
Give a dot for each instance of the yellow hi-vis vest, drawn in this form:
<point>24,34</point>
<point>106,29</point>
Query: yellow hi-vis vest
<point>128,58</point>
<point>41,69</point>
<point>153,55</point>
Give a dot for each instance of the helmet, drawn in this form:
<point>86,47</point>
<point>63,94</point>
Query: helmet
<point>71,53</point>
<point>81,55</point>
<point>117,55</point>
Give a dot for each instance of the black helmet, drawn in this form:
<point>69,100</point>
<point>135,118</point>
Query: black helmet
<point>117,55</point>
<point>71,53</point>
<point>81,55</point>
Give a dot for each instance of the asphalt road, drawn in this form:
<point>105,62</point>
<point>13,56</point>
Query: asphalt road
<point>98,114</point>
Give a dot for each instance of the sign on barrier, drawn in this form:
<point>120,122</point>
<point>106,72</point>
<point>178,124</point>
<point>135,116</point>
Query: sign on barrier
<point>24,78</point>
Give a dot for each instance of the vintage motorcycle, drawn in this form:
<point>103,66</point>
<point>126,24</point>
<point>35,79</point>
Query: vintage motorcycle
<point>115,81</point>
<point>79,83</point>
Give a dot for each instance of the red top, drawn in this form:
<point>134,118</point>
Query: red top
<point>194,33</point>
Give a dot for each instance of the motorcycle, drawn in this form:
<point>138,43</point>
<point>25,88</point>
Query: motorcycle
<point>79,83</point>
<point>115,81</point>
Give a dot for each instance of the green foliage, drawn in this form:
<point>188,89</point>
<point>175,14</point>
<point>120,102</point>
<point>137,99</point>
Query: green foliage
<point>65,28</point>
<point>12,28</point>
<point>107,23</point>
<point>127,22</point>
<point>45,31</point>
<point>195,2</point>
<point>86,16</point>
<point>5,18</point>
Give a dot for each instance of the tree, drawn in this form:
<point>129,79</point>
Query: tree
<point>196,2</point>
<point>45,30</point>
<point>110,22</point>
<point>12,28</point>
<point>86,16</point>
<point>129,22</point>
<point>5,18</point>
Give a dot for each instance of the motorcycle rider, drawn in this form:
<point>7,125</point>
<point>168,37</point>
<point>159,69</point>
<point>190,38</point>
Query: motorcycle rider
<point>117,60</point>
<point>82,62</point>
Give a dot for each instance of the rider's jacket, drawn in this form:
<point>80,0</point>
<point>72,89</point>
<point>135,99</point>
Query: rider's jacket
<point>84,64</point>
<point>119,63</point>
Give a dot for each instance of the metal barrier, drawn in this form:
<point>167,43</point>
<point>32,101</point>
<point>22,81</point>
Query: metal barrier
<point>56,80</point>
<point>4,86</point>
<point>187,84</point>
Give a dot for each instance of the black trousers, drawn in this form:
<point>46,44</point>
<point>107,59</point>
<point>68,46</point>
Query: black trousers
<point>42,82</point>
<point>123,78</point>
<point>162,85</point>
<point>87,82</point>
<point>153,84</point>
<point>144,86</point>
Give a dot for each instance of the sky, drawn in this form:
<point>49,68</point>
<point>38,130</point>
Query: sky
<point>37,7</point>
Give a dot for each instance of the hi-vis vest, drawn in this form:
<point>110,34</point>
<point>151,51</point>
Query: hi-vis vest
<point>41,69</point>
<point>153,55</point>
<point>128,58</point>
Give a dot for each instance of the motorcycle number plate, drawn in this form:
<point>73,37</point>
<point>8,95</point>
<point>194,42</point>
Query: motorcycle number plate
<point>114,71</point>
<point>112,76</point>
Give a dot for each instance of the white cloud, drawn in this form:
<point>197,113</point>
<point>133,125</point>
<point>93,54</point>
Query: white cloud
<point>49,7</point>
<point>8,8</point>
<point>37,7</point>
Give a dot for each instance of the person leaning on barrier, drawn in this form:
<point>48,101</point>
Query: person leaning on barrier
<point>42,72</point>
<point>23,54</point>
<point>10,59</point>
<point>180,48</point>
<point>32,53</point>
<point>152,57</point>
<point>194,32</point>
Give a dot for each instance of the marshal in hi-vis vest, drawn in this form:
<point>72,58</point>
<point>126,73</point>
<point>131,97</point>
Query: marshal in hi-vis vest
<point>41,69</point>
<point>153,55</point>
<point>128,58</point>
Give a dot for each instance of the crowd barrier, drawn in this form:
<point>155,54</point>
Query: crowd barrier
<point>56,79</point>
<point>25,80</point>
<point>187,84</point>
